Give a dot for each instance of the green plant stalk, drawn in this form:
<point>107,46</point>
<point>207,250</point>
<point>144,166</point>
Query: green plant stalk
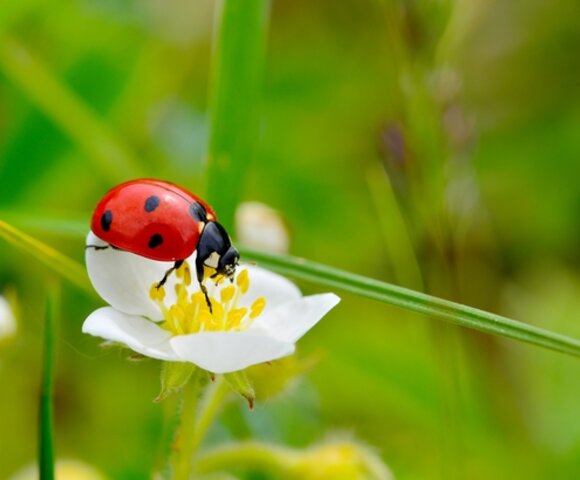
<point>456,313</point>
<point>46,409</point>
<point>181,459</point>
<point>57,261</point>
<point>211,403</point>
<point>434,307</point>
<point>394,228</point>
<point>235,81</point>
<point>68,112</point>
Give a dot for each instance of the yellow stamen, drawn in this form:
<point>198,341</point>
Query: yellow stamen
<point>243,281</point>
<point>208,271</point>
<point>181,293</point>
<point>257,307</point>
<point>235,318</point>
<point>177,315</point>
<point>157,293</point>
<point>197,297</point>
<point>206,321</point>
<point>227,293</point>
<point>191,314</point>
<point>184,273</point>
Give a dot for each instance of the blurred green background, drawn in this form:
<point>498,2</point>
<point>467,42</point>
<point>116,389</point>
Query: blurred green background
<point>431,144</point>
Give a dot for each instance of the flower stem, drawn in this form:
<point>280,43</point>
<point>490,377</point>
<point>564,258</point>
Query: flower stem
<point>185,440</point>
<point>196,418</point>
<point>210,405</point>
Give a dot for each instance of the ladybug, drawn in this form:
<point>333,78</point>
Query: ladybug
<point>162,221</point>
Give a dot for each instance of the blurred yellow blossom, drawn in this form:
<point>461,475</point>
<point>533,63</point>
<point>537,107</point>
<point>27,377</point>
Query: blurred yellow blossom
<point>342,460</point>
<point>65,469</point>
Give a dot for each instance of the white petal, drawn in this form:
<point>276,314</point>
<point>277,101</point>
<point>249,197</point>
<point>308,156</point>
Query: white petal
<point>123,279</point>
<point>224,352</point>
<point>275,288</point>
<point>138,333</point>
<point>7,320</point>
<point>290,321</point>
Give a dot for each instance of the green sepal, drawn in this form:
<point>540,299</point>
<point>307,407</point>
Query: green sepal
<point>174,376</point>
<point>273,378</point>
<point>240,383</point>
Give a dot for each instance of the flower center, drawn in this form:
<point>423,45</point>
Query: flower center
<point>191,314</point>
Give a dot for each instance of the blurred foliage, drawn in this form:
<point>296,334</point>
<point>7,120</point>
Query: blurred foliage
<point>472,110</point>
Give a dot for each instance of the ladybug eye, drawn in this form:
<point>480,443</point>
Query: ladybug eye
<point>106,220</point>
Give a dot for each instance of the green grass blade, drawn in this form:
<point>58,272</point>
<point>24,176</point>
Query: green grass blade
<point>236,73</point>
<point>57,261</point>
<point>62,224</point>
<point>67,111</point>
<point>456,313</point>
<point>46,410</point>
<point>396,235</point>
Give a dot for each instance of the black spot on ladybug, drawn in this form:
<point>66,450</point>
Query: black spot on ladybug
<point>106,220</point>
<point>151,203</point>
<point>197,211</point>
<point>155,240</point>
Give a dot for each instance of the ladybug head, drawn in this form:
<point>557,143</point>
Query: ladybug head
<point>215,250</point>
<point>228,262</point>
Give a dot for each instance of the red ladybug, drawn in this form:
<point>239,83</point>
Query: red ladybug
<point>161,221</point>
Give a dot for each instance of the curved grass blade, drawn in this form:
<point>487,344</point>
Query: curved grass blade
<point>67,111</point>
<point>452,312</point>
<point>60,263</point>
<point>46,408</point>
<point>37,221</point>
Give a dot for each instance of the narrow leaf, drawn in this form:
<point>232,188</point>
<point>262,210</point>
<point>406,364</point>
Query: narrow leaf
<point>235,83</point>
<point>46,413</point>
<point>434,307</point>
<point>57,261</point>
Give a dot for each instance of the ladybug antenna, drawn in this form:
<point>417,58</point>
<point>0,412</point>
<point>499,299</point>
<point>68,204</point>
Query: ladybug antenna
<point>253,264</point>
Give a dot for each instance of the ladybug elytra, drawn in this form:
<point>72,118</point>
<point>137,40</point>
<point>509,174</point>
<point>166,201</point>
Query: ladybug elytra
<point>162,221</point>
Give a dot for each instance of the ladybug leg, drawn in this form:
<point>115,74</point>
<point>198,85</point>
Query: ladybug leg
<point>199,270</point>
<point>97,247</point>
<point>175,266</point>
<point>207,300</point>
<point>102,247</point>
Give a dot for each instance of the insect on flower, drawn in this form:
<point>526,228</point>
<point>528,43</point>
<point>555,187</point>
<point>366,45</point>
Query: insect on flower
<point>258,318</point>
<point>162,221</point>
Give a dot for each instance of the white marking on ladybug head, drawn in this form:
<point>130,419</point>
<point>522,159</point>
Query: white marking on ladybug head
<point>212,260</point>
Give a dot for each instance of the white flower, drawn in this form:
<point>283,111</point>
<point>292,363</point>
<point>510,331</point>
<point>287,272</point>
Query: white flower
<point>256,319</point>
<point>7,320</point>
